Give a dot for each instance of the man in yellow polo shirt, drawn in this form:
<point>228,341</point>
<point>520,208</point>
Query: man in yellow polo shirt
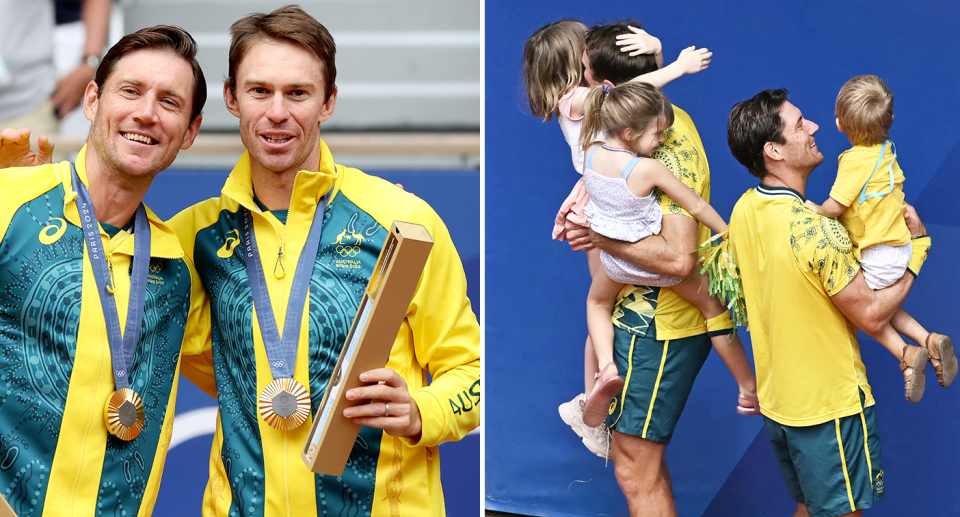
<point>805,298</point>
<point>660,339</point>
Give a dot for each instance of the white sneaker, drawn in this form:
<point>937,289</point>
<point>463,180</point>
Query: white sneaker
<point>596,439</point>
<point>572,413</point>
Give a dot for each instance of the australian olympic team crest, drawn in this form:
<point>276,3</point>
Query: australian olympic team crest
<point>356,233</point>
<point>348,243</point>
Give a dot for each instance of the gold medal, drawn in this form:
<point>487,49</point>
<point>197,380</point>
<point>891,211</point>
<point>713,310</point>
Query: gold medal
<point>124,414</point>
<point>284,404</point>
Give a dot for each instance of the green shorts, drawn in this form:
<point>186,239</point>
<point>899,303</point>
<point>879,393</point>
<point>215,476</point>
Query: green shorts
<point>658,378</point>
<point>834,467</point>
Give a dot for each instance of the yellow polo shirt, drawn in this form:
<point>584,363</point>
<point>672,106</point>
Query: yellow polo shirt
<point>805,351</point>
<point>682,152</point>
<point>878,220</point>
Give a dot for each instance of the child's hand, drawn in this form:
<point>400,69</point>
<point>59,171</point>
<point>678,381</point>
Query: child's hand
<point>693,60</point>
<point>638,43</point>
<point>916,227</point>
<point>813,206</point>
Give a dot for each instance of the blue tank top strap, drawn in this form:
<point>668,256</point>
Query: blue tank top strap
<point>629,168</point>
<point>589,159</point>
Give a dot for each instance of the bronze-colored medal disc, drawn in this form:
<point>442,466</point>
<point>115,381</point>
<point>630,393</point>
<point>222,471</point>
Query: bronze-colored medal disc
<point>285,404</point>
<point>124,414</point>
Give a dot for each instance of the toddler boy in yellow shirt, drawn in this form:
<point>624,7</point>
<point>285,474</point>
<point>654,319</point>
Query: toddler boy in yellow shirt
<point>868,198</point>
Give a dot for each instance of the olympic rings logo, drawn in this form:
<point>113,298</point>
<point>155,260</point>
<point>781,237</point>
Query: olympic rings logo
<point>348,251</point>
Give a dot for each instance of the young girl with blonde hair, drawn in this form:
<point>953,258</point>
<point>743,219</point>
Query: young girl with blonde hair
<point>623,190</point>
<point>554,61</point>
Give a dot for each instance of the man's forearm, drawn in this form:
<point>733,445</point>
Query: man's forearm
<point>668,253</point>
<point>884,303</point>
<point>868,309</point>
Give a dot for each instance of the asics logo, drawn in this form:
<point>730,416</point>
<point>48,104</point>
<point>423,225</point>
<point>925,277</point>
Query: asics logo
<point>232,241</point>
<point>52,232</point>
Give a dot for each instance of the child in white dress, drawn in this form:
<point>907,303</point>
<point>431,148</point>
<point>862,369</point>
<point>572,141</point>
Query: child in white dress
<point>621,180</point>
<point>554,74</point>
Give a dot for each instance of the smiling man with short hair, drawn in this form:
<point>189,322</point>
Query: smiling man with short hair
<point>83,420</point>
<point>805,296</point>
<point>285,189</point>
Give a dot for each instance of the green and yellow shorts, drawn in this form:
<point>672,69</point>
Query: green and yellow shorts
<point>835,467</point>
<point>658,378</point>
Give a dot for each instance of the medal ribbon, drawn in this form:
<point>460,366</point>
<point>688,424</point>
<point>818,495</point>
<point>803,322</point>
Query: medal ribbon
<point>122,346</point>
<point>282,350</point>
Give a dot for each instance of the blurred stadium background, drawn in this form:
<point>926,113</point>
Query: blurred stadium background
<point>409,110</point>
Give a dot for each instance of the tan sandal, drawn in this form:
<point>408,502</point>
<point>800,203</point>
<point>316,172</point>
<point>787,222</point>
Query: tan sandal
<point>940,347</point>
<point>914,384</point>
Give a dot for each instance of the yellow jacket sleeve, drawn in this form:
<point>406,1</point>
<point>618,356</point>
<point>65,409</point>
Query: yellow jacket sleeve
<point>196,354</point>
<point>446,339</point>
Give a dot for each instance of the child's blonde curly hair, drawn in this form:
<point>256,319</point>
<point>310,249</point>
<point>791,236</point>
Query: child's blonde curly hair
<point>865,110</point>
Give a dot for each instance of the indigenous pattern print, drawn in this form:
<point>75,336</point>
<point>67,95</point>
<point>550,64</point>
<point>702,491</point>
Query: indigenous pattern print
<point>681,156</point>
<point>41,274</point>
<point>349,246</point>
<point>634,311</point>
<point>823,245</point>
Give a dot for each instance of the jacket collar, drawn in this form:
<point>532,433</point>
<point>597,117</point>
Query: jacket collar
<point>308,187</point>
<point>768,191</point>
<point>163,241</point>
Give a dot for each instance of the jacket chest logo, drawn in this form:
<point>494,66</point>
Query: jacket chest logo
<point>53,231</point>
<point>348,244</point>
<point>232,239</point>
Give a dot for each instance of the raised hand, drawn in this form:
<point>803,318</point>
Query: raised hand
<point>638,42</point>
<point>15,149</point>
<point>693,60</point>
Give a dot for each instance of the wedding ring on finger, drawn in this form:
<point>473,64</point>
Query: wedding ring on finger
<point>386,409</point>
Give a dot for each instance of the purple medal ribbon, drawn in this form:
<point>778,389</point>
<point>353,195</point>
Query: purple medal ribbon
<point>281,350</point>
<point>122,346</point>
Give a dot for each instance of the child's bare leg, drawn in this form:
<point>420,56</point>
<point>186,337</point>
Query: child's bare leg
<point>593,261</point>
<point>891,340</point>
<point>600,301</point>
<point>590,364</point>
<point>590,367</point>
<point>939,347</point>
<point>904,324</point>
<point>695,289</point>
<point>603,294</point>
<point>913,360</point>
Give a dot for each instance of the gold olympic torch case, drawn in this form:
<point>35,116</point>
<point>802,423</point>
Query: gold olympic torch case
<point>382,309</point>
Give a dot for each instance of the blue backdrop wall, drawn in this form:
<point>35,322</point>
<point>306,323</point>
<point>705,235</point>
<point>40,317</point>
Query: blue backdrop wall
<point>722,463</point>
<point>455,195</point>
